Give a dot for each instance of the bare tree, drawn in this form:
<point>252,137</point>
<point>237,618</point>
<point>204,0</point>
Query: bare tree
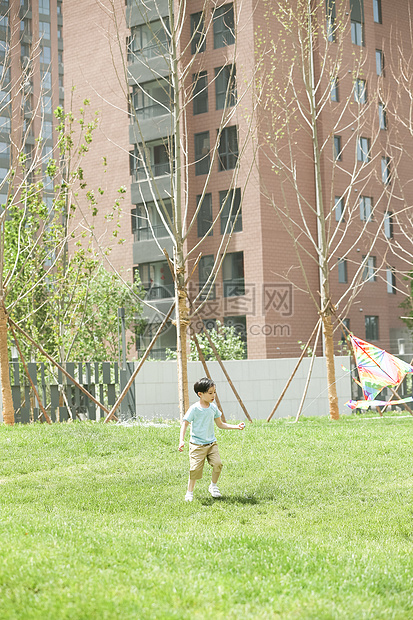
<point>166,83</point>
<point>323,108</point>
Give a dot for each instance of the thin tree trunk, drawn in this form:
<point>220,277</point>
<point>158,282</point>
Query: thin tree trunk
<point>323,246</point>
<point>182,324</point>
<point>8,409</point>
<point>331,372</point>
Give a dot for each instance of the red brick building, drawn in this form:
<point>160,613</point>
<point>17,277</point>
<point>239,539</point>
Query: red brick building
<point>364,162</point>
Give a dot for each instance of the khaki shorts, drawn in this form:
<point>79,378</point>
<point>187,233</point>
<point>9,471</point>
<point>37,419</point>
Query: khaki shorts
<point>197,456</point>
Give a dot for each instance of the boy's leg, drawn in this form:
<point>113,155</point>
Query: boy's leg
<point>214,460</point>
<point>191,485</point>
<point>197,456</point>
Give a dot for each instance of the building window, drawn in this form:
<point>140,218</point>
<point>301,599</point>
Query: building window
<point>4,75</point>
<point>377,11</point>
<point>366,204</point>
<point>233,274</point>
<point>4,23</point>
<point>4,96</point>
<point>391,280</point>
<point>225,87</point>
<point>145,334</point>
<point>360,91</point>
<point>385,170</point>
<point>224,31</point>
<point>202,160</point>
<point>47,107</point>
<point>3,174</point>
<point>205,269</point>
<point>156,279</point>
<point>204,217</point>
<point>357,20</point>
<point>47,153</point>
<point>230,203</point>
<point>342,270</point>
<point>239,323</point>
<point>47,132</point>
<point>356,33</point>
<point>363,149</point>
<point>379,62</point>
<point>334,89</point>
<point>46,77</point>
<point>152,99</point>
<point>4,148</point>
<point>339,209</point>
<point>44,7</point>
<point>372,327</point>
<point>369,272</point>
<point>26,28</point>
<point>5,124</point>
<point>45,55</point>
<point>388,225</point>
<point>330,20</point>
<point>44,29</point>
<point>148,40</point>
<point>228,148</point>
<point>200,92</point>
<point>382,116</point>
<point>337,148</point>
<point>197,33</point>
<point>159,163</point>
<point>147,222</point>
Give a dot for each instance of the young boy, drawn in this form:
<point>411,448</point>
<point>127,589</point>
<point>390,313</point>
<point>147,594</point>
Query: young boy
<point>203,444</point>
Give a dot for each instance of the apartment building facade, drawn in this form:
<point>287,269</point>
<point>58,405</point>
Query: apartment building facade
<point>231,180</point>
<point>31,78</point>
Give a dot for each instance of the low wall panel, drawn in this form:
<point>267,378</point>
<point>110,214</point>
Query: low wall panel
<point>258,382</point>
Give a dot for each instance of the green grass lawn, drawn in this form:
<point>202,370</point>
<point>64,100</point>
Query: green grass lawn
<point>316,522</point>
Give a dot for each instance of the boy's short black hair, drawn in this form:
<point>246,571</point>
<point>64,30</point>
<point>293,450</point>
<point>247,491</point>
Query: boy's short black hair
<point>203,385</point>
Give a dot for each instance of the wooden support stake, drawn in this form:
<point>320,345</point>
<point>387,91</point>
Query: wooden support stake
<point>310,370</point>
<point>304,351</point>
<point>232,386</point>
<point>111,413</point>
<point>48,420</point>
<point>204,364</point>
<point>43,352</point>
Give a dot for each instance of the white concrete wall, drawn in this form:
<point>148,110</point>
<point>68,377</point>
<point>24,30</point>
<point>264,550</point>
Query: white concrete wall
<point>258,382</point>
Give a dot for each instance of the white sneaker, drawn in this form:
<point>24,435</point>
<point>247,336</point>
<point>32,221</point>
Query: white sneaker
<point>213,489</point>
<point>189,496</point>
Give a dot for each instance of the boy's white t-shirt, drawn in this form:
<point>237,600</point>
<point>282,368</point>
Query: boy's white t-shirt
<point>202,423</point>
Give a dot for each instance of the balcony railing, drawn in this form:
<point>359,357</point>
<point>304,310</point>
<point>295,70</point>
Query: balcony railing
<point>158,170</point>
<point>153,110</point>
<point>143,234</point>
<point>148,52</point>
<point>160,291</point>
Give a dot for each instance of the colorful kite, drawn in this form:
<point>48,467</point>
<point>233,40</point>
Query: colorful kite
<point>377,369</point>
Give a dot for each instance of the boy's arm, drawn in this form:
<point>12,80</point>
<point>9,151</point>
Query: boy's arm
<point>184,426</point>
<point>221,424</point>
